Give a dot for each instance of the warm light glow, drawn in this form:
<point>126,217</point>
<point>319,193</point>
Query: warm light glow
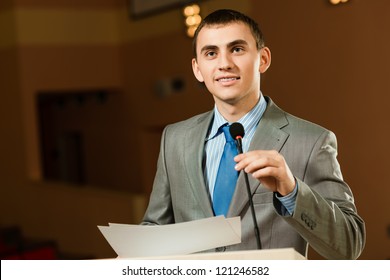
<point>335,2</point>
<point>191,10</point>
<point>191,31</point>
<point>197,19</point>
<point>188,11</point>
<point>192,18</point>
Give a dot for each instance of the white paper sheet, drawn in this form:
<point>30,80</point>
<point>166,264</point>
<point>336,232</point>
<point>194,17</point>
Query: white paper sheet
<point>132,241</point>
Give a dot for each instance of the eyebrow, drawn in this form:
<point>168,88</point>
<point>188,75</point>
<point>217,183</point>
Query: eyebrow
<point>229,45</point>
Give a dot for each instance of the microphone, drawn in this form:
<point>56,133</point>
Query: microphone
<point>237,132</point>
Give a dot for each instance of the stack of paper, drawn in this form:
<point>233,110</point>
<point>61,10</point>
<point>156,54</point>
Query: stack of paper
<point>134,241</point>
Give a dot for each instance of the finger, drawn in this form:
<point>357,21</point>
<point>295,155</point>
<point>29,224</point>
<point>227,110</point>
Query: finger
<point>260,163</point>
<point>267,171</point>
<point>244,161</point>
<point>257,159</point>
<point>245,158</point>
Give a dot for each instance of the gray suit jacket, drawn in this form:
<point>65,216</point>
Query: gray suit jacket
<point>325,215</point>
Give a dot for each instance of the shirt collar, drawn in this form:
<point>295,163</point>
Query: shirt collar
<point>249,120</point>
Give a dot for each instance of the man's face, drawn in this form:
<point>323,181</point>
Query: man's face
<point>229,63</point>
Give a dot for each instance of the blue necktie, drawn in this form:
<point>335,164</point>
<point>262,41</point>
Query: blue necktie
<point>226,180</point>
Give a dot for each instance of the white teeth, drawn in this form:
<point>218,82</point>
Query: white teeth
<point>227,79</point>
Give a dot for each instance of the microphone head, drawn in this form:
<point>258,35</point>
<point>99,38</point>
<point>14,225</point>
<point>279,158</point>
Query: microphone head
<point>236,130</point>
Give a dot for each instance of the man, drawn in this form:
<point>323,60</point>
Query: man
<point>298,192</point>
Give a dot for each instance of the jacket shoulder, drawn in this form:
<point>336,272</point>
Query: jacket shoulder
<point>191,122</point>
<point>293,123</point>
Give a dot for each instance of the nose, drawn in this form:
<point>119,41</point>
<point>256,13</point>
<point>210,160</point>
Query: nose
<point>225,62</point>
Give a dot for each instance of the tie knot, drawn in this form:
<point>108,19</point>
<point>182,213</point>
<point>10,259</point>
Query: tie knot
<point>227,134</point>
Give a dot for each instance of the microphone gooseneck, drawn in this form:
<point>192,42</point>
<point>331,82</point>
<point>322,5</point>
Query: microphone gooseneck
<point>237,132</point>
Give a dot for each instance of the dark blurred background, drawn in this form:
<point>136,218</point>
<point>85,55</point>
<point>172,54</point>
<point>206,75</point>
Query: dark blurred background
<point>87,87</point>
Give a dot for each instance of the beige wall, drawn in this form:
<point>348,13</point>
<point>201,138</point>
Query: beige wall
<point>329,66</point>
<point>59,47</point>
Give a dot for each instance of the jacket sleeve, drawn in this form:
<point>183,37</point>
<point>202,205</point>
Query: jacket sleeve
<point>325,214</point>
<point>159,210</point>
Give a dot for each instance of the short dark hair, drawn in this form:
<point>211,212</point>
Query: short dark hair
<point>226,16</point>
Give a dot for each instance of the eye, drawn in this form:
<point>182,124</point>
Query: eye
<point>237,49</point>
<point>210,54</point>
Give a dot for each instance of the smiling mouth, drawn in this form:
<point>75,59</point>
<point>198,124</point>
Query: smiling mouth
<point>228,79</point>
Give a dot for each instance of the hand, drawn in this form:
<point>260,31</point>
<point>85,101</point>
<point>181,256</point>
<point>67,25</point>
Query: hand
<point>269,167</point>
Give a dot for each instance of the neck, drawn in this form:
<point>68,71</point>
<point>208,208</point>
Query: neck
<point>234,112</point>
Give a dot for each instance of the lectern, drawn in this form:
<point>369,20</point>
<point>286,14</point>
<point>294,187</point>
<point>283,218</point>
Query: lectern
<point>265,254</point>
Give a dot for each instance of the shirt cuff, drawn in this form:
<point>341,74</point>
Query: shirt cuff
<point>288,201</point>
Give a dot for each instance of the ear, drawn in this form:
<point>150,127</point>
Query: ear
<point>195,69</point>
<point>265,59</point>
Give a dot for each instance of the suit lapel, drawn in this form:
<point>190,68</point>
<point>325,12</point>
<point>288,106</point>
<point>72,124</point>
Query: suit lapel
<point>268,136</point>
<point>193,156</point>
